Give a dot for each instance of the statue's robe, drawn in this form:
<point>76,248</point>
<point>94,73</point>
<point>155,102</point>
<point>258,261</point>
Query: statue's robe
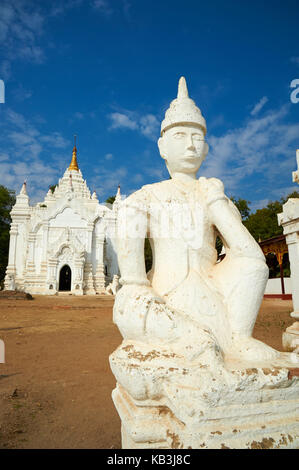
<point>185,272</point>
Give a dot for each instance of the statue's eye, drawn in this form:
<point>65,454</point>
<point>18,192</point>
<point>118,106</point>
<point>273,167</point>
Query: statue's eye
<point>197,137</point>
<point>179,135</point>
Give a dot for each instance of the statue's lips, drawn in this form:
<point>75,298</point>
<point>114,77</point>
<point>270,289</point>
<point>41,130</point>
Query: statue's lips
<point>190,156</point>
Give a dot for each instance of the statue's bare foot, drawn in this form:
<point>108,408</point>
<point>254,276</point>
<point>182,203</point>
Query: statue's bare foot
<point>249,349</point>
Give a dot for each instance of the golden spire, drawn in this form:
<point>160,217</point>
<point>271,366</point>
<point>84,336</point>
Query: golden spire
<point>74,165</point>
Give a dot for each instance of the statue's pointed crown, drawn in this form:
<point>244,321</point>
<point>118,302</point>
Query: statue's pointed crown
<point>183,110</point>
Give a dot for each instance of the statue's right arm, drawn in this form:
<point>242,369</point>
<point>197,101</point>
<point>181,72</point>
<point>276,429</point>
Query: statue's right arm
<point>139,312</point>
<point>134,300</point>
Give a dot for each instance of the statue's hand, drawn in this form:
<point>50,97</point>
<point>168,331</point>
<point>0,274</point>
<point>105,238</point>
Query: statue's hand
<point>213,189</point>
<point>131,306</point>
<point>143,315</point>
<point>130,291</point>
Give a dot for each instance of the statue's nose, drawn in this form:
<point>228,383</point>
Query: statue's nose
<point>190,143</point>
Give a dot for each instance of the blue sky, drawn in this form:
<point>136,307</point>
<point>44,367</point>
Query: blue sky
<point>107,70</point>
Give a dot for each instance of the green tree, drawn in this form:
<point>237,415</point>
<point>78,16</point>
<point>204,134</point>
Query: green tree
<point>294,194</point>
<point>243,207</point>
<point>52,188</point>
<point>110,200</point>
<point>148,255</point>
<point>7,200</point>
<point>263,223</point>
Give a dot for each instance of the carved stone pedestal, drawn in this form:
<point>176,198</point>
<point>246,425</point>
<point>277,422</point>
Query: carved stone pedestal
<point>164,407</point>
<point>290,338</point>
<point>88,278</point>
<point>289,219</point>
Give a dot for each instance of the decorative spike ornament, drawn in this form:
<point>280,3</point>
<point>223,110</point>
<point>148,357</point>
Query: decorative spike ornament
<point>24,188</point>
<point>74,164</point>
<point>182,89</point>
<point>183,110</point>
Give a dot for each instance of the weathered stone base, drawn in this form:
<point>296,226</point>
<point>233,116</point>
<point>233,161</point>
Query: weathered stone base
<point>254,426</point>
<point>163,405</point>
<point>290,338</point>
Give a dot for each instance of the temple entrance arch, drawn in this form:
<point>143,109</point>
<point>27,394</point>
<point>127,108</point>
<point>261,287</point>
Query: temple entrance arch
<point>65,278</point>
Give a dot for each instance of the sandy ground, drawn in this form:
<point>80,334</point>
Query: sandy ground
<point>55,386</point>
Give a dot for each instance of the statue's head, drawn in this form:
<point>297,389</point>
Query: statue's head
<point>182,142</point>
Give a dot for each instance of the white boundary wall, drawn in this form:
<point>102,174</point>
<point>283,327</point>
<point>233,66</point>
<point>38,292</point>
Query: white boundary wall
<point>274,286</point>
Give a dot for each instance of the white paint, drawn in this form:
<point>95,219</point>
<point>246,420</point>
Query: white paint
<point>289,219</point>
<point>273,286</point>
<point>189,373</point>
<point>63,229</point>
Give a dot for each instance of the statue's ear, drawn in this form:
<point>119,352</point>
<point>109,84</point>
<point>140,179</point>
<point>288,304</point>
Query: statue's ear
<point>206,150</point>
<point>161,145</point>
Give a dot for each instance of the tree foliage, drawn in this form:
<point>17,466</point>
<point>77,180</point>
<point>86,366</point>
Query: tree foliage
<point>110,200</point>
<point>148,255</point>
<point>243,207</point>
<point>52,188</point>
<point>7,200</point>
<point>263,223</point>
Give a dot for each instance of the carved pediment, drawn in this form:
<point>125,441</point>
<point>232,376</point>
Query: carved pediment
<point>69,240</point>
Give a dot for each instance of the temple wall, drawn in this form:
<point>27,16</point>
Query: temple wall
<point>274,286</point>
<point>21,250</point>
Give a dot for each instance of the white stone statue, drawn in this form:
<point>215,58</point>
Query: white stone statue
<point>289,220</point>
<point>114,286</point>
<point>11,282</point>
<point>187,324</point>
<point>295,174</point>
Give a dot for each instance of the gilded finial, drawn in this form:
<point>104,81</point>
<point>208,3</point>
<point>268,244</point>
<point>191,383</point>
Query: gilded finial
<point>74,165</point>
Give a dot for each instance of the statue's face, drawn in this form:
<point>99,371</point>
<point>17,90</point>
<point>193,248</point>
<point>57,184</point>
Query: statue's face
<point>184,148</point>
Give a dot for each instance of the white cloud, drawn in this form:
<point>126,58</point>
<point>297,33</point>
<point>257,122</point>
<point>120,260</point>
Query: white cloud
<point>59,8</point>
<point>295,60</point>
<point>259,105</point>
<point>147,124</point>
<point>78,115</point>
<point>106,181</point>
<point>21,94</point>
<point>5,69</point>
<point>21,25</point>
<point>3,157</point>
<point>263,147</point>
<point>24,146</point>
<point>122,121</point>
<point>108,156</point>
<point>103,6</point>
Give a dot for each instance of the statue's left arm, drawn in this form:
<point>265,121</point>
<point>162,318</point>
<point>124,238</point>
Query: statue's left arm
<point>224,215</point>
<point>244,272</point>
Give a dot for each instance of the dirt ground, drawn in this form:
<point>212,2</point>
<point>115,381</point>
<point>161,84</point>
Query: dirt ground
<point>55,385</point>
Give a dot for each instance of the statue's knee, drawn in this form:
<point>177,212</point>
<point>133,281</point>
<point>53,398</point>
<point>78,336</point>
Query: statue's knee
<point>257,270</point>
<point>251,267</point>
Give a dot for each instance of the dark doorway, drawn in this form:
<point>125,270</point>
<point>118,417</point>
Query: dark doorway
<point>65,278</point>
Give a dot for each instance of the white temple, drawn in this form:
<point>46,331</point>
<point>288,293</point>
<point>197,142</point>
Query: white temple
<point>64,244</point>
